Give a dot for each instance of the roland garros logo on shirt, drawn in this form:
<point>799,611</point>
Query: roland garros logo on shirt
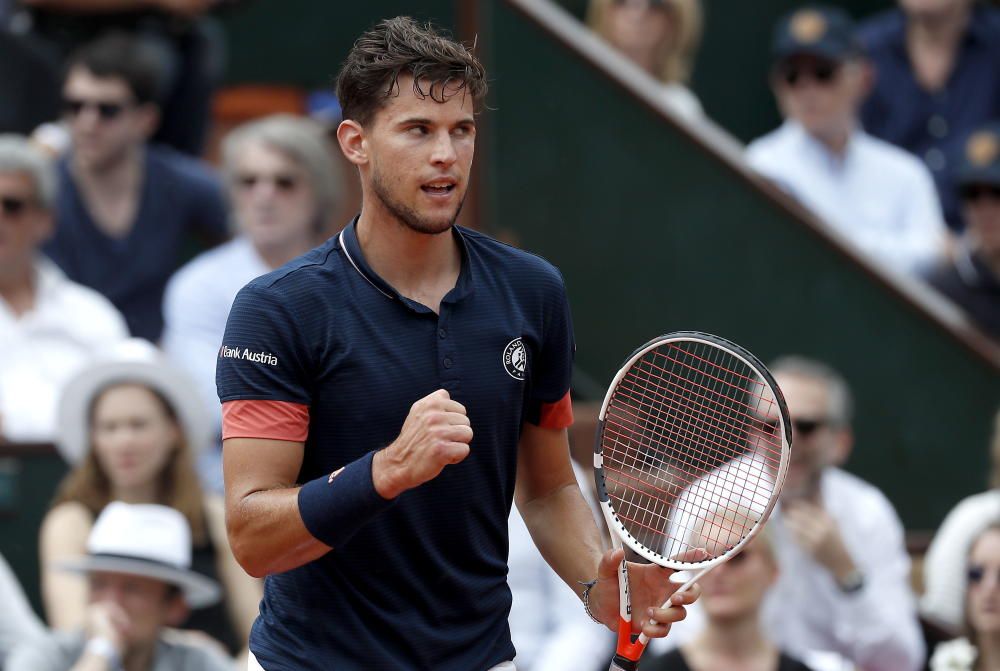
<point>246,354</point>
<point>515,359</point>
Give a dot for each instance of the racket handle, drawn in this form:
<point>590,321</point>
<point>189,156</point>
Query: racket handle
<point>619,663</point>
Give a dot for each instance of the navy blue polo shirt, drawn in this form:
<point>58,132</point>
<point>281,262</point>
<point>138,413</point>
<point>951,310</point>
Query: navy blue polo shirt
<point>323,350</point>
<point>933,125</point>
<point>181,199</point>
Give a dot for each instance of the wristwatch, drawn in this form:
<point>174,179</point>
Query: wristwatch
<point>852,583</point>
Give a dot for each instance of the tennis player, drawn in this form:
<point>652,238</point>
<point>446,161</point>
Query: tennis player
<point>385,394</point>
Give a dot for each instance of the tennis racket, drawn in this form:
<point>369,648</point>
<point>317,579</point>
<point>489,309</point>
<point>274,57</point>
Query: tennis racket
<point>692,446</point>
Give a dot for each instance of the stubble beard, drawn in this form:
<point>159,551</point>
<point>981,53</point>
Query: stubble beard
<point>407,216</point>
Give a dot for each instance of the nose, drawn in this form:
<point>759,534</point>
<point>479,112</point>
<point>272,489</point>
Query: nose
<point>444,153</point>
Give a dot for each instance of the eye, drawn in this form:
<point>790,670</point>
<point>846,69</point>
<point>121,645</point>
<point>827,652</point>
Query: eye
<point>417,130</point>
<point>464,131</point>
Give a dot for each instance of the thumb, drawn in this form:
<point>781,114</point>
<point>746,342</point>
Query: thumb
<point>610,562</point>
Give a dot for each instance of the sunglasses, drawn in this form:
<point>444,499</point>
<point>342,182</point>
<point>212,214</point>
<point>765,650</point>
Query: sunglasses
<point>106,111</point>
<point>646,4</point>
<point>821,73</point>
<point>282,183</point>
<point>13,206</point>
<point>981,192</point>
<point>803,427</point>
<point>976,573</point>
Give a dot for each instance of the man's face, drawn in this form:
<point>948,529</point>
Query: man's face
<point>816,437</point>
<point>419,156</point>
<point>981,207</point>
<point>149,604</point>
<point>273,197</point>
<point>104,120</point>
<point>24,224</point>
<point>821,94</point>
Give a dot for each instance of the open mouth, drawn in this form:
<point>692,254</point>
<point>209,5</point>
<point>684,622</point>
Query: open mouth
<point>441,188</point>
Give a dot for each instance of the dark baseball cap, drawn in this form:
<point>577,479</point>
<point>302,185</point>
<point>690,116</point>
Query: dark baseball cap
<point>816,30</point>
<point>980,160</point>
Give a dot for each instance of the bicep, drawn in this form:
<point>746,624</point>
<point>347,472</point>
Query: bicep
<point>543,462</point>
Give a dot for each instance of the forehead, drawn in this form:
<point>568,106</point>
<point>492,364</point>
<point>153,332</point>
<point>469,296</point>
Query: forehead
<point>262,156</point>
<point>110,578</point>
<point>987,547</point>
<point>405,103</point>
<point>81,81</point>
<point>132,396</point>
<point>804,395</point>
<point>16,183</point>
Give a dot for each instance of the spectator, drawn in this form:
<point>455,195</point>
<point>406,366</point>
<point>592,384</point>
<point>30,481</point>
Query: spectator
<point>18,623</point>
<point>944,578</point>
<point>844,584</point>
<point>283,185</point>
<point>979,649</point>
<point>972,277</point>
<point>547,626</point>
<point>875,195</point>
<point>49,326</point>
<point>129,426</point>
<point>731,599</point>
<point>139,578</point>
<point>937,65</point>
<point>126,208</point>
<point>186,42</point>
<point>660,36</point>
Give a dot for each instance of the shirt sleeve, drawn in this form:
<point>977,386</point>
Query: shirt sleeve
<point>923,240</point>
<point>262,368</point>
<point>548,403</point>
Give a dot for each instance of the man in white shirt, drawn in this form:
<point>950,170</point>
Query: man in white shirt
<point>49,326</point>
<point>844,583</point>
<point>283,185</point>
<point>877,197</point>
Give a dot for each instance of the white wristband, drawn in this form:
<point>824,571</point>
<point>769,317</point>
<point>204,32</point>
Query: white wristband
<point>103,647</point>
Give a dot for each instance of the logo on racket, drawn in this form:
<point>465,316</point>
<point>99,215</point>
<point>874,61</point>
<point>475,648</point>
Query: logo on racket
<point>515,359</point>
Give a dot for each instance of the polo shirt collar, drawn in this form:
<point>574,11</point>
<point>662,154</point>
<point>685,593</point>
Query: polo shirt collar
<point>347,240</point>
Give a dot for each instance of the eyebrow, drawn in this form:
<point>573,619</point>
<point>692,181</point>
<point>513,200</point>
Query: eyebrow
<point>416,121</point>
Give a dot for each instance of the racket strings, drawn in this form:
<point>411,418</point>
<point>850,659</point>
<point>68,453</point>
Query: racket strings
<point>688,457</point>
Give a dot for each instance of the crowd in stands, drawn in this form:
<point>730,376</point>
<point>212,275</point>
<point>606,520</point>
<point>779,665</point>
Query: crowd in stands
<point>122,250</point>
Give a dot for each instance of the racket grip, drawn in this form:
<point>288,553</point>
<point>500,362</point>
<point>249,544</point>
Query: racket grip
<point>619,663</point>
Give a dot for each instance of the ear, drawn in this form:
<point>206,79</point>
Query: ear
<point>351,138</point>
<point>177,611</point>
<point>149,118</point>
<point>844,443</point>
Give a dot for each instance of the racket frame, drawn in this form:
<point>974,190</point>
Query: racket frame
<point>630,646</point>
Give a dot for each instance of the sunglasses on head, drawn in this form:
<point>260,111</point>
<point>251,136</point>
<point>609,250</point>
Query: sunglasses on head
<point>821,73</point>
<point>976,573</point>
<point>981,192</point>
<point>283,183</point>
<point>107,111</point>
<point>13,206</point>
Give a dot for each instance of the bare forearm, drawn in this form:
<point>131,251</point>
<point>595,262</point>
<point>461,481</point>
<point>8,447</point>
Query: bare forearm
<point>563,529</point>
<point>267,533</point>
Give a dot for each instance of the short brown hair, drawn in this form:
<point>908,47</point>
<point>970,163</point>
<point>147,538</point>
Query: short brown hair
<point>402,46</point>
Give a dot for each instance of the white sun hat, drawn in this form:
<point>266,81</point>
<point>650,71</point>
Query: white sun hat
<point>148,540</point>
<point>129,361</point>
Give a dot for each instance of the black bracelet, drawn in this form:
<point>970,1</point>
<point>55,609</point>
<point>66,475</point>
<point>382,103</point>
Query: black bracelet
<point>586,599</point>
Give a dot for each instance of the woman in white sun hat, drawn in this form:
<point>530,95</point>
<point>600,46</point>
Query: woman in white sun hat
<point>130,426</point>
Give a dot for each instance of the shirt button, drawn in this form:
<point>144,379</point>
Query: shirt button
<point>447,362</point>
<point>937,126</point>
<point>935,159</point>
<point>442,334</point>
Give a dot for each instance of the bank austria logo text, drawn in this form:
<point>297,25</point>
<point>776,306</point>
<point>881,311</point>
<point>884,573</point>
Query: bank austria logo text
<point>245,353</point>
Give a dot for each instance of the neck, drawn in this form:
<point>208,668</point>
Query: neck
<point>835,140</point>
<point>989,653</point>
<point>940,29</point>
<point>117,176</point>
<point>17,285</point>
<point>145,493</point>
<point>139,658</point>
<point>275,256</point>
<point>415,264</point>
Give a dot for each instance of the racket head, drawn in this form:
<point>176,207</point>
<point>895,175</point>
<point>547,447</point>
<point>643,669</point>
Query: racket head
<point>692,447</point>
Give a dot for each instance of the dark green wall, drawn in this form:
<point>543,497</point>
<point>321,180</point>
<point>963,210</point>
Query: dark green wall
<point>653,235</point>
<point>303,42</point>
